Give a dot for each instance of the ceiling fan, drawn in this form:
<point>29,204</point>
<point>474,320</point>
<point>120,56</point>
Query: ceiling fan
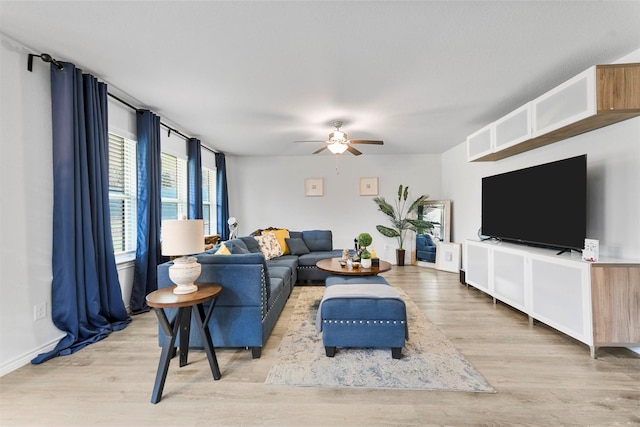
<point>338,142</point>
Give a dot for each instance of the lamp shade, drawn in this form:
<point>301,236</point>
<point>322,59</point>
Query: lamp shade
<point>182,237</point>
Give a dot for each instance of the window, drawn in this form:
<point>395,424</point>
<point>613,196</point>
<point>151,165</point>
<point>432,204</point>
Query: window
<point>209,200</point>
<point>174,187</point>
<point>122,193</point>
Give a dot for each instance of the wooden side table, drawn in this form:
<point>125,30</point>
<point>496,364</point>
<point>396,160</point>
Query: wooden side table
<point>165,298</point>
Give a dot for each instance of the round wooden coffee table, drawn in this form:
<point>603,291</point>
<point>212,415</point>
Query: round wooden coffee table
<point>332,265</point>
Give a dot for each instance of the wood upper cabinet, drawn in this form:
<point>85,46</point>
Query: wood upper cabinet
<point>598,97</point>
<point>618,88</point>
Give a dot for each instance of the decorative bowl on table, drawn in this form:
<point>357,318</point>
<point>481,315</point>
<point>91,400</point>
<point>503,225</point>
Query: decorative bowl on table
<point>355,265</point>
<point>343,263</point>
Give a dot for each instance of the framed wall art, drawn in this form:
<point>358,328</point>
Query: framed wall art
<point>313,187</point>
<point>369,186</point>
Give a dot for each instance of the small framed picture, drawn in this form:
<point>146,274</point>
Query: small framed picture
<point>369,186</point>
<point>448,256</point>
<point>313,187</point>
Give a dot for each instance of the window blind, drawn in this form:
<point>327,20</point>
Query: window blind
<point>122,193</point>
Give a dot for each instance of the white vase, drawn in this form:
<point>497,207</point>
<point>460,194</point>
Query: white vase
<point>365,262</point>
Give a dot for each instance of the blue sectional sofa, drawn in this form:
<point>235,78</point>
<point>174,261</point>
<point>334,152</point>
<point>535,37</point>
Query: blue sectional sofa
<point>254,289</point>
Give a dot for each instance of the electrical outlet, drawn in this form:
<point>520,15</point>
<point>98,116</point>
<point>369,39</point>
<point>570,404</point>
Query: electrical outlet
<point>39,311</point>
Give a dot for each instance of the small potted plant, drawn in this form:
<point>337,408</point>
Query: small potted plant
<point>364,240</point>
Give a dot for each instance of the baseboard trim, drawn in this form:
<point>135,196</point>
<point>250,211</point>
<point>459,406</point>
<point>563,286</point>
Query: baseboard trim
<point>26,358</point>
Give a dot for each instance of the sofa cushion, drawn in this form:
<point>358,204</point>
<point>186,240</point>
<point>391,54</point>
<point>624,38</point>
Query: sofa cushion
<point>251,243</point>
<point>276,287</point>
<point>289,261</point>
<point>269,245</point>
<point>297,246</point>
<point>318,240</point>
<point>236,246</point>
<point>312,258</point>
<point>281,272</point>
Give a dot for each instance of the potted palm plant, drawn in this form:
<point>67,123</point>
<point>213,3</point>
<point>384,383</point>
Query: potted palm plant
<point>399,215</point>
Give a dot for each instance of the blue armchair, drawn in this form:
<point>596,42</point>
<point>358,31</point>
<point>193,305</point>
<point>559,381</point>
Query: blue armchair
<point>425,248</point>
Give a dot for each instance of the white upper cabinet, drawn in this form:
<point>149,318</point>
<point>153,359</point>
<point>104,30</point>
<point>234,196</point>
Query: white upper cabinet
<point>568,103</point>
<point>513,128</point>
<point>480,143</point>
<point>600,96</point>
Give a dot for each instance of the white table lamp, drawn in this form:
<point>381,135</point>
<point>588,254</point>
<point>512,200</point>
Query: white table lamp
<point>183,237</point>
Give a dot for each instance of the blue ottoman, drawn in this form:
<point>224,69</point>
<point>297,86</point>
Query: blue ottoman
<point>362,315</point>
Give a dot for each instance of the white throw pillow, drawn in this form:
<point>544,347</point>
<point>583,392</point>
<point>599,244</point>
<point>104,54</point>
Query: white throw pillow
<point>269,245</point>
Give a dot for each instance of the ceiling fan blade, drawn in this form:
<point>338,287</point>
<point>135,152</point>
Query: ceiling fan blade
<point>353,151</point>
<point>320,150</point>
<point>310,141</point>
<point>366,141</point>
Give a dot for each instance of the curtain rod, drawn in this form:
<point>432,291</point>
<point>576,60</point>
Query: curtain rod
<point>122,101</point>
<point>48,58</point>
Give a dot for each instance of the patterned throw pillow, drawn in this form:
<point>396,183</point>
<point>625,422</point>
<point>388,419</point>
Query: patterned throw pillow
<point>281,234</point>
<point>269,245</point>
<point>223,250</point>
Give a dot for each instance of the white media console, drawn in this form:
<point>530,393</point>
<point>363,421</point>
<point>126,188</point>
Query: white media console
<point>595,303</point>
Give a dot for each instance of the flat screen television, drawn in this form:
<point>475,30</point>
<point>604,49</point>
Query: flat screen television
<point>543,205</point>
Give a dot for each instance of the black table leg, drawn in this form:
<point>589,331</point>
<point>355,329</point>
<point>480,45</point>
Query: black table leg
<point>170,332</point>
<point>184,318</point>
<point>203,327</point>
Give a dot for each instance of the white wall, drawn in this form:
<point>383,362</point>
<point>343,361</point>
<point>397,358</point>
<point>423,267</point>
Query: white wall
<point>26,202</point>
<point>269,191</point>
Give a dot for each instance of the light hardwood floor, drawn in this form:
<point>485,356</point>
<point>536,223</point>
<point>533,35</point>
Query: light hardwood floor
<point>541,376</point>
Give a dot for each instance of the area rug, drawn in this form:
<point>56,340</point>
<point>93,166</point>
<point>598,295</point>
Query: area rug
<point>429,360</point>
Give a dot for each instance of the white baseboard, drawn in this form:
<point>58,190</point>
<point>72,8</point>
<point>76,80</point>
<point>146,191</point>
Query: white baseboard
<point>26,358</point>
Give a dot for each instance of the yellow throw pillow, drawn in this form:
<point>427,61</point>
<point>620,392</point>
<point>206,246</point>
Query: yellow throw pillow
<point>281,235</point>
<point>223,250</point>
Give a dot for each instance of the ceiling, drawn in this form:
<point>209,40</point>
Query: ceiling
<point>249,78</point>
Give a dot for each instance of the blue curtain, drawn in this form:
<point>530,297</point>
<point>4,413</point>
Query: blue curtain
<point>148,253</point>
<point>222,197</point>
<point>86,297</point>
<point>194,181</point>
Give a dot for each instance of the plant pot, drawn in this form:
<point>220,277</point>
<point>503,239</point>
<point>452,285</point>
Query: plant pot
<point>365,262</point>
<point>400,257</point>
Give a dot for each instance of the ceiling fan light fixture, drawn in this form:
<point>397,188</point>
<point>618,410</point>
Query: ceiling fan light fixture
<point>337,147</point>
<point>337,136</point>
